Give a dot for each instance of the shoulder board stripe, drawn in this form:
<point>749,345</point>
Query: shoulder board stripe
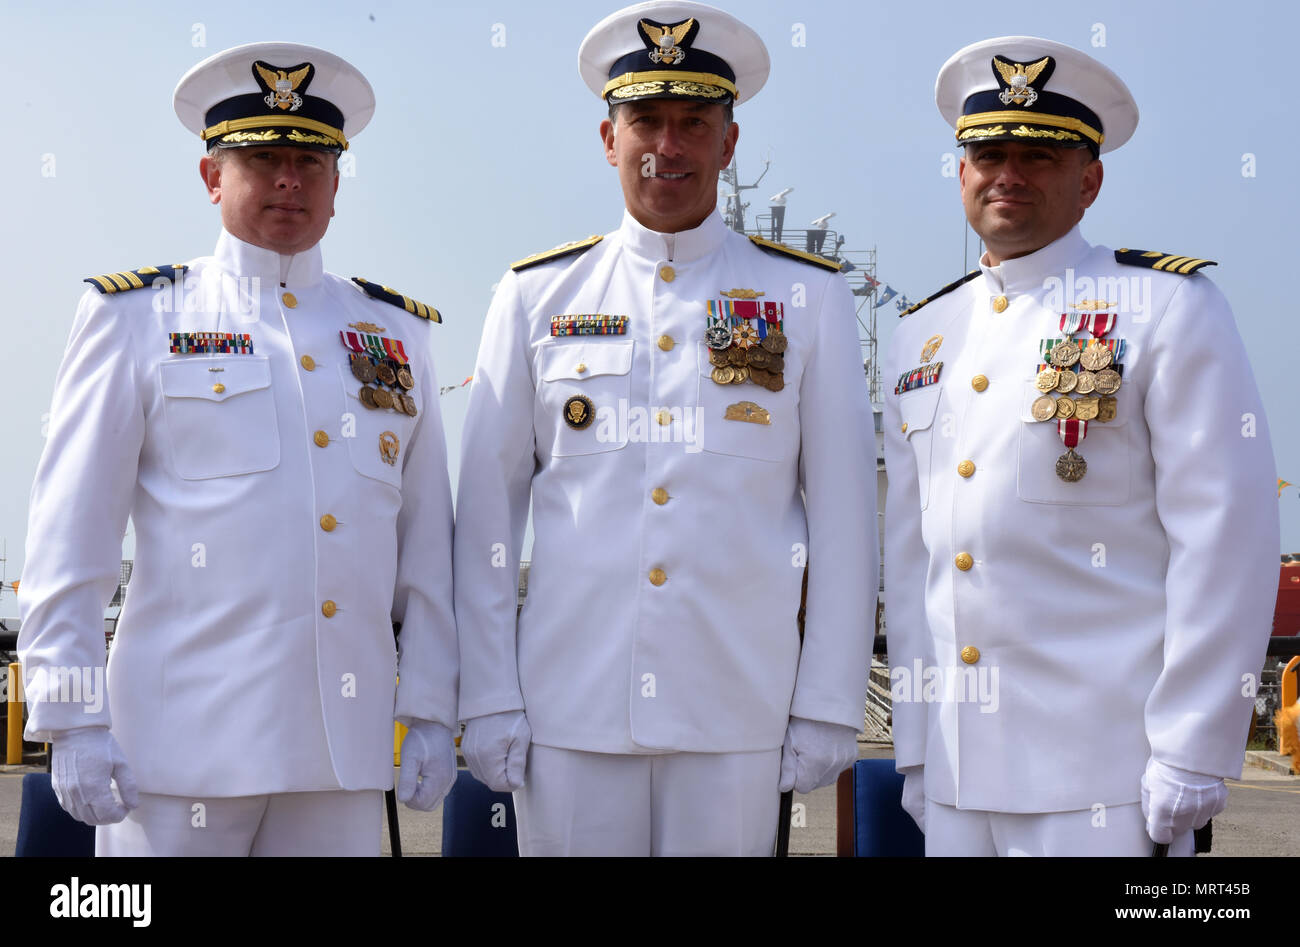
<point>1168,262</point>
<point>125,280</point>
<point>942,292</point>
<point>401,301</point>
<point>555,253</point>
<point>797,254</point>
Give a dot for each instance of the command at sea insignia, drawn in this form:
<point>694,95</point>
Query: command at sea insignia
<point>222,408</point>
<point>662,398</point>
<point>1120,580</point>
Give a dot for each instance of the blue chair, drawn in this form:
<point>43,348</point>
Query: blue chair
<point>477,822</point>
<point>870,821</point>
<point>44,829</point>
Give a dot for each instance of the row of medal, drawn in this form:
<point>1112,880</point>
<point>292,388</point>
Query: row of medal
<point>1090,368</point>
<point>746,342</point>
<point>381,363</point>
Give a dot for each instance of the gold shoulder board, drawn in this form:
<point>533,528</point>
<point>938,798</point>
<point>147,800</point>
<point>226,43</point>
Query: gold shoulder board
<point>126,280</point>
<point>393,297</point>
<point>942,292</point>
<point>812,258</point>
<point>1168,262</point>
<point>564,249</point>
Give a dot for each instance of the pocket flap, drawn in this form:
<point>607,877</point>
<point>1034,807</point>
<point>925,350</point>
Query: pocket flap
<point>918,408</point>
<point>575,361</point>
<point>214,379</point>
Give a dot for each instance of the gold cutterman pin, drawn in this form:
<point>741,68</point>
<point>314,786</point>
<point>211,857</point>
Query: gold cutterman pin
<point>388,447</point>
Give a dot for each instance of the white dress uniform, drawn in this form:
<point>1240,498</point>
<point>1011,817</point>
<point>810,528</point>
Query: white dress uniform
<point>669,540</point>
<point>1119,617</point>
<point>275,546</point>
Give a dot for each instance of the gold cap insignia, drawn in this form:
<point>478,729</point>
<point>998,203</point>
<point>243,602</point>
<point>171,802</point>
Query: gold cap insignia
<point>665,41</point>
<point>283,85</point>
<point>1019,77</point>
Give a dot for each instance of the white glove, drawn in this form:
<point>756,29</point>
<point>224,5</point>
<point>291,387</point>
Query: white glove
<point>83,765</point>
<point>913,801</point>
<point>496,749</point>
<point>815,753</point>
<point>428,765</point>
<point>1176,801</point>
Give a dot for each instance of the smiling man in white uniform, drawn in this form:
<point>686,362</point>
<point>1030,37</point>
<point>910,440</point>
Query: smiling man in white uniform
<point>1081,530</point>
<point>687,411</point>
<point>273,432</point>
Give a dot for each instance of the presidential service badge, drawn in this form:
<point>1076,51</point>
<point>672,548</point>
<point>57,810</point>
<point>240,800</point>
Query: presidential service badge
<point>579,412</point>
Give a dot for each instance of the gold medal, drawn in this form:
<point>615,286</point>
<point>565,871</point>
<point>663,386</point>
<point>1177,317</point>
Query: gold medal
<point>1087,383</point>
<point>757,357</point>
<point>363,369</point>
<point>1047,379</point>
<point>775,342</point>
<point>1043,408</point>
<point>723,374</point>
<point>383,398</point>
<point>1065,354</point>
<point>759,376</point>
<point>741,376</point>
<point>735,356</point>
<point>408,405</point>
<point>1106,410</point>
<point>1108,381</point>
<point>367,396</point>
<point>1096,357</point>
<point>775,381</point>
<point>718,357</point>
<point>1066,381</point>
<point>1070,467</point>
<point>1064,408</point>
<point>775,363</point>
<point>404,379</point>
<point>1086,409</point>
<point>386,374</point>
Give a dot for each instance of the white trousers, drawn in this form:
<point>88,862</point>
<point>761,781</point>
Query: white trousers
<point>1111,831</point>
<point>576,803</point>
<point>287,823</point>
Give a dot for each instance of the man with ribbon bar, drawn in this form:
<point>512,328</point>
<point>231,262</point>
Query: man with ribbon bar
<point>651,698</point>
<point>1081,505</point>
<point>284,524</point>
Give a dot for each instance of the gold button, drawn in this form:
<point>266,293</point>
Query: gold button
<point>308,363</point>
<point>666,343</point>
<point>582,367</point>
<point>328,522</point>
<point>970,654</point>
<point>904,427</point>
<point>999,303</point>
<point>658,577</point>
<point>667,274</point>
<point>965,468</point>
<point>218,387</point>
<point>979,382</point>
<point>321,438</point>
<point>328,608</point>
<point>290,300</point>
<point>664,416</point>
<point>659,495</point>
<point>964,561</point>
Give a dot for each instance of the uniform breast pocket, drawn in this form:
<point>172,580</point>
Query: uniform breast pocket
<point>918,410</point>
<point>1108,479</point>
<point>220,415</point>
<point>576,382</point>
<point>748,420</point>
<point>377,438</point>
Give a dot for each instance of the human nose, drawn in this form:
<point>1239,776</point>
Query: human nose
<point>670,140</point>
<point>287,177</point>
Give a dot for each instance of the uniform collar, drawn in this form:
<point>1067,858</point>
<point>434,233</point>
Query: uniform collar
<point>298,270</point>
<point>1026,273</point>
<point>680,247</point>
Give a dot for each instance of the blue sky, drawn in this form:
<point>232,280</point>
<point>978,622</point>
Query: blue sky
<point>484,148</point>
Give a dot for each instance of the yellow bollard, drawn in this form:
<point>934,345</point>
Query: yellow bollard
<point>14,731</point>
